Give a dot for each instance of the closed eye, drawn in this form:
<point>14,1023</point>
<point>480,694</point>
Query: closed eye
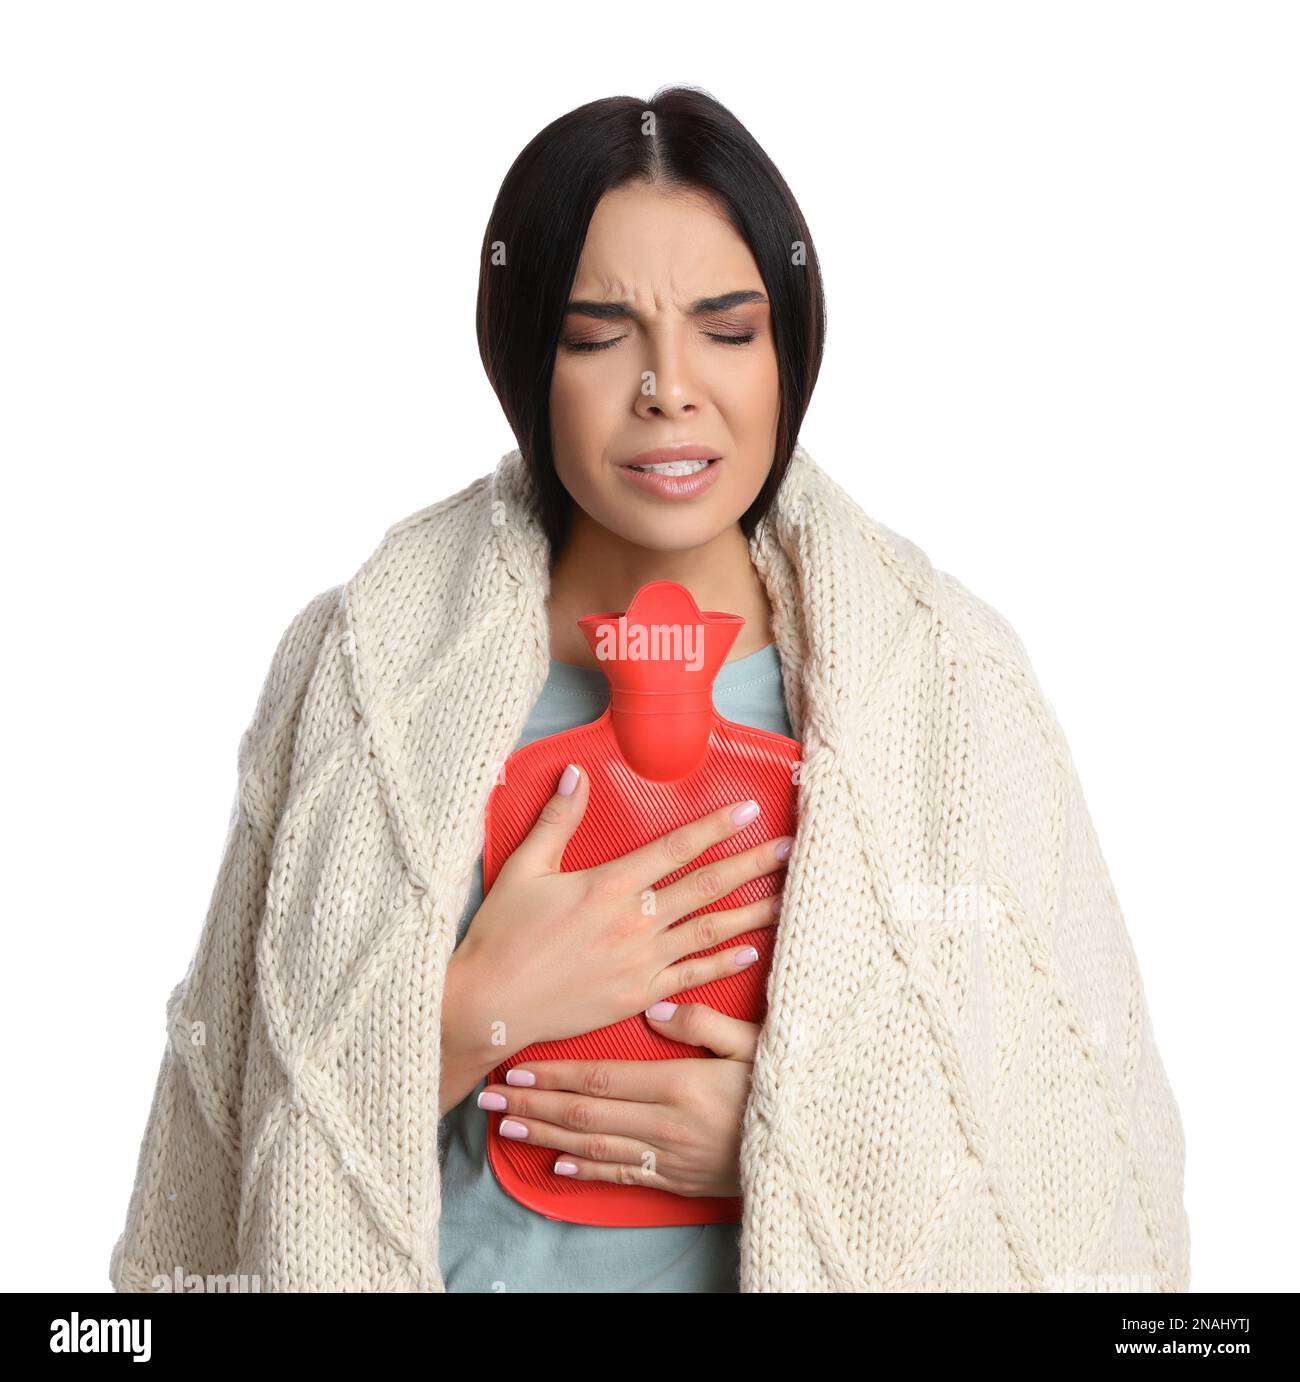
<point>591,345</point>
<point>587,346</point>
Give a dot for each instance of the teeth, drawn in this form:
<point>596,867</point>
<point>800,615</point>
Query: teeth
<point>673,467</point>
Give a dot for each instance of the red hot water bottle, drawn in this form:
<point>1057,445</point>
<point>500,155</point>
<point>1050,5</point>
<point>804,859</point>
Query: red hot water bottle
<point>659,756</point>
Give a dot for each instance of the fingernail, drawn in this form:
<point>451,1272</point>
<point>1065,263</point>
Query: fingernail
<point>568,781</point>
<point>520,1077</point>
<point>745,812</point>
<point>661,1011</point>
<point>565,1168</point>
<point>776,908</point>
<point>746,956</point>
<point>495,1102</point>
<point>509,1128</point>
<point>784,847</point>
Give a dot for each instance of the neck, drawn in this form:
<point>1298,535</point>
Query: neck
<point>599,571</point>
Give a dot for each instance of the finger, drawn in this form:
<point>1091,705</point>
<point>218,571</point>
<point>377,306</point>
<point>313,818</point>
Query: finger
<point>702,969</point>
<point>591,1144</point>
<point>630,1081</point>
<point>645,866</point>
<point>580,1114</point>
<point>712,929</point>
<point>618,1173</point>
<point>716,880</point>
<point>697,1024</point>
<point>541,850</point>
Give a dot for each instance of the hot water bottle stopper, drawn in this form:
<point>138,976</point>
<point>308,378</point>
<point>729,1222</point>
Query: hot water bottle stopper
<point>659,756</point>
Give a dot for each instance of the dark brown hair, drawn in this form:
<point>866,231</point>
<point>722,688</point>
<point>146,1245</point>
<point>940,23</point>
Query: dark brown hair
<point>538,226</point>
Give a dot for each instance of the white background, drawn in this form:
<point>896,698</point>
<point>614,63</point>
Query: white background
<point>240,246</point>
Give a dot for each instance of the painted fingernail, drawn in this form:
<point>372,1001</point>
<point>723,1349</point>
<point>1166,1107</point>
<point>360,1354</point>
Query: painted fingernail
<point>784,846</point>
<point>661,1011</point>
<point>520,1077</point>
<point>745,812</point>
<point>745,956</point>
<point>565,1168</point>
<point>493,1101</point>
<point>509,1128</point>
<point>776,908</point>
<point>568,781</point>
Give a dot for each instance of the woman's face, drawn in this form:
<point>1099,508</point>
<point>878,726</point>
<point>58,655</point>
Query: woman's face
<point>671,343</point>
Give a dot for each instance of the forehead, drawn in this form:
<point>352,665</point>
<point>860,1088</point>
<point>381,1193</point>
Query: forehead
<point>664,249</point>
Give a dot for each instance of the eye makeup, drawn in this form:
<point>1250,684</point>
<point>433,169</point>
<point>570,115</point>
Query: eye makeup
<point>739,336</point>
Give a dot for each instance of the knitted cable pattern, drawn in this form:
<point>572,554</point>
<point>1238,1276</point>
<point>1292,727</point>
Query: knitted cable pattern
<point>957,1086</point>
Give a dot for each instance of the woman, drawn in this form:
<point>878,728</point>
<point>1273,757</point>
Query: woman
<point>956,1085</point>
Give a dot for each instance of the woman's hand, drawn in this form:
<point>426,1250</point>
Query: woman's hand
<point>669,1124</point>
<point>551,954</point>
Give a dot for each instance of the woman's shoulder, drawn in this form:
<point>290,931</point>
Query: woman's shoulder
<point>428,579</point>
<point>1013,705</point>
<point>895,571</point>
<point>420,539</point>
<point>986,628</point>
<point>264,746</point>
<point>437,553</point>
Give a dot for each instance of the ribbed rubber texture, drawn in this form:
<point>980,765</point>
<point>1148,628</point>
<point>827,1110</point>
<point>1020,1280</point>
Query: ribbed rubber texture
<point>624,811</point>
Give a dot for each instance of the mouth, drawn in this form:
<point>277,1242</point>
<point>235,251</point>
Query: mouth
<point>670,459</point>
<point>683,477</point>
<point>674,467</point>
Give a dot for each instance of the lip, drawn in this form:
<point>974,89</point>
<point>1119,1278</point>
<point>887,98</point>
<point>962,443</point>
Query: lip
<point>673,486</point>
<point>683,451</point>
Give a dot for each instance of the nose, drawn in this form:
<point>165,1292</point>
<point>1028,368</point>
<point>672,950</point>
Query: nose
<point>665,389</point>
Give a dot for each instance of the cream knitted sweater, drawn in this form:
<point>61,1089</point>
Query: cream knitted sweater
<point>956,1087</point>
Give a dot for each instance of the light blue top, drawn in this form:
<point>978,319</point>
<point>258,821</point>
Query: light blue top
<point>489,1241</point>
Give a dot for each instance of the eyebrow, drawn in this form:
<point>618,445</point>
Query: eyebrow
<point>611,311</point>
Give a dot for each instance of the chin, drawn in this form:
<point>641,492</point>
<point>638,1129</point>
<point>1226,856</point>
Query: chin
<point>670,532</point>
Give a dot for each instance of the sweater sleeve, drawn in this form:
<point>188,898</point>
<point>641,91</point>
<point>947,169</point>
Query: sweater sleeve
<point>1101,980</point>
<point>184,1205</point>
<point>1097,1048</point>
